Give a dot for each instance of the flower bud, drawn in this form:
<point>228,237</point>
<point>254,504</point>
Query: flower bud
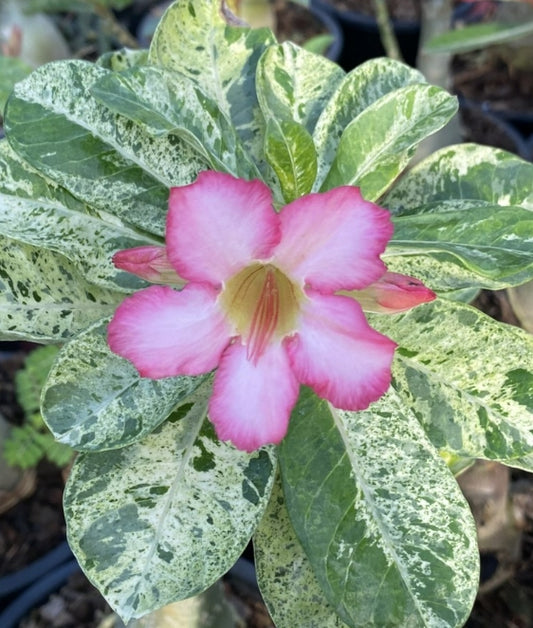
<point>392,293</point>
<point>148,262</point>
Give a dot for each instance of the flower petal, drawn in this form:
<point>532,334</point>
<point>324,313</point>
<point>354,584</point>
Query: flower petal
<point>148,262</point>
<point>338,354</point>
<point>332,240</point>
<point>251,403</point>
<point>166,333</point>
<point>218,225</point>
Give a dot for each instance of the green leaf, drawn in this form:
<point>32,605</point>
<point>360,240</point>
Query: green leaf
<point>468,172</point>
<point>362,87</point>
<point>318,44</point>
<point>102,159</point>
<point>474,36</point>
<point>491,241</point>
<point>377,145</point>
<point>123,59</point>
<point>468,379</point>
<point>294,85</point>
<point>290,151</point>
<point>44,298</point>
<point>288,585</point>
<point>30,379</point>
<point>161,520</point>
<point>37,212</point>
<point>389,534</point>
<point>12,69</point>
<point>165,102</point>
<point>96,400</point>
<point>193,39</point>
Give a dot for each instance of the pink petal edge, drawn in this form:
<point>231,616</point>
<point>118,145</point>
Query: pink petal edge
<point>251,403</point>
<point>165,333</point>
<point>332,240</point>
<point>218,225</point>
<point>338,354</point>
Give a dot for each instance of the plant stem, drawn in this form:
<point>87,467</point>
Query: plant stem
<point>124,37</point>
<point>386,32</point>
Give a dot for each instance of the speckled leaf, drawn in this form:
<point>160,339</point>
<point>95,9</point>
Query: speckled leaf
<point>376,146</point>
<point>38,212</point>
<point>101,158</point>
<point>468,378</point>
<point>43,297</point>
<point>290,151</point>
<point>493,242</point>
<point>389,534</point>
<point>362,87</point>
<point>95,400</point>
<point>123,59</point>
<point>294,84</point>
<point>466,171</point>
<point>192,38</point>
<point>286,580</point>
<point>166,102</point>
<point>161,520</point>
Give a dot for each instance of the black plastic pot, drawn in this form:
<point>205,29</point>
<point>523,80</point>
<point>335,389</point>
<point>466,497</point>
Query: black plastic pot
<point>484,127</point>
<point>37,593</point>
<point>361,35</point>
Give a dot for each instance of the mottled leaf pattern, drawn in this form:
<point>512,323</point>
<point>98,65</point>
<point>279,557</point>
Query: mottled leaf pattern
<point>96,400</point>
<point>471,401</point>
<point>286,580</point>
<point>44,298</point>
<point>163,519</point>
<point>389,544</point>
<point>362,87</point>
<point>376,146</point>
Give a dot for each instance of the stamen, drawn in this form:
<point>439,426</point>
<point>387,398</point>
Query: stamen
<point>265,318</point>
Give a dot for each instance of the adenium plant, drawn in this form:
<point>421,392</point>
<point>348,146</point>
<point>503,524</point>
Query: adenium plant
<point>201,226</point>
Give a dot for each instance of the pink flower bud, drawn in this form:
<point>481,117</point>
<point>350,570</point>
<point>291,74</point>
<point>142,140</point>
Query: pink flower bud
<point>149,262</point>
<point>392,293</point>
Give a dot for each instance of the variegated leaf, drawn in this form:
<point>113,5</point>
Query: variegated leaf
<point>290,151</point>
<point>105,160</point>
<point>165,102</point>
<point>493,242</point>
<point>95,400</point>
<point>468,379</point>
<point>40,213</point>
<point>161,520</point>
<point>388,533</point>
<point>465,171</point>
<point>286,580</point>
<point>44,298</point>
<point>362,87</point>
<point>294,84</point>
<point>193,39</point>
<point>376,146</point>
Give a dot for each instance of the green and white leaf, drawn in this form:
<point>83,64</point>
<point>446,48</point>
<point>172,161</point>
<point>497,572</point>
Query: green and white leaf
<point>40,213</point>
<point>465,171</point>
<point>165,102</point>
<point>95,400</point>
<point>294,84</point>
<point>388,533</point>
<point>193,39</point>
<point>361,88</point>
<point>286,580</point>
<point>123,59</point>
<point>114,166</point>
<point>44,298</point>
<point>163,519</point>
<point>12,69</point>
<point>493,242</point>
<point>290,151</point>
<point>472,402</point>
<point>376,146</point>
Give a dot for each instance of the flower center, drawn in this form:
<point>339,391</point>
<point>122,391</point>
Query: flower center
<point>262,303</point>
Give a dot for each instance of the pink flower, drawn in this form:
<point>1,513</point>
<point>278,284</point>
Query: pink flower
<point>259,303</point>
<point>393,293</point>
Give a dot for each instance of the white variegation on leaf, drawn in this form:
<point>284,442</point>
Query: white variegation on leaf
<point>163,519</point>
<point>390,544</point>
<point>94,400</point>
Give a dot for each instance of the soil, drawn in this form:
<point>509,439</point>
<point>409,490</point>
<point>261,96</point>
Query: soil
<point>295,22</point>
